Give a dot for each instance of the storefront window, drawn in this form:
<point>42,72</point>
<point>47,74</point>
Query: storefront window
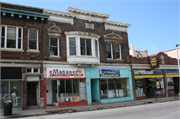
<point>160,86</point>
<point>72,90</point>
<point>139,88</point>
<point>12,90</point>
<point>170,85</point>
<point>111,88</point>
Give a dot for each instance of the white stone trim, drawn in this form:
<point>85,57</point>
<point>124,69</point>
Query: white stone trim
<point>114,27</point>
<point>89,13</point>
<point>82,34</point>
<point>61,19</point>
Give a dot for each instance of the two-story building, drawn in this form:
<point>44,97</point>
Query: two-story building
<point>86,59</point>
<point>22,55</point>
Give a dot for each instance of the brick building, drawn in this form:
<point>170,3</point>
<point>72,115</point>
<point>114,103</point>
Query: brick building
<point>166,75</point>
<point>22,55</point>
<point>86,59</point>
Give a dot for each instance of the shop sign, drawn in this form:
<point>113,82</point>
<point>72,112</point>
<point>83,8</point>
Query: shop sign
<point>109,73</point>
<point>147,72</point>
<point>154,62</point>
<point>65,72</point>
<point>172,72</point>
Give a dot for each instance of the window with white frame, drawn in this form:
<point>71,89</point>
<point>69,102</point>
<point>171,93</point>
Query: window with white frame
<point>85,46</point>
<point>33,39</point>
<point>54,46</point>
<point>96,48</point>
<point>109,50</point>
<point>118,51</point>
<point>11,37</point>
<point>72,46</point>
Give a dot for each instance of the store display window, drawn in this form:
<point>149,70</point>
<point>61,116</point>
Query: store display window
<point>170,85</point>
<point>12,90</point>
<point>114,88</point>
<point>139,87</point>
<point>71,90</point>
<point>160,86</point>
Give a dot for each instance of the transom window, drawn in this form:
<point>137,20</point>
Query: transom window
<point>33,39</point>
<point>54,46</point>
<point>85,46</point>
<point>11,37</point>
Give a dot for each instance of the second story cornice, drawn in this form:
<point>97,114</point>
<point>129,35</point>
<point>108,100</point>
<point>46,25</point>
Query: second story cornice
<point>81,33</point>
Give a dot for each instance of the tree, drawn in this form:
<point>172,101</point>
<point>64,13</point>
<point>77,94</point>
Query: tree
<point>153,85</point>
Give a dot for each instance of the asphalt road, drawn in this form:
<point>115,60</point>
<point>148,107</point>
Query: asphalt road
<point>166,110</point>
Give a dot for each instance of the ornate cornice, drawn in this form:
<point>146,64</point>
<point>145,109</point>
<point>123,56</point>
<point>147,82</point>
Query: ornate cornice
<point>117,23</point>
<point>78,11</point>
<point>113,36</point>
<point>57,13</point>
<point>82,34</point>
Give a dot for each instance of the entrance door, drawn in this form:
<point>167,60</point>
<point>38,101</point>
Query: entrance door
<point>31,94</point>
<point>54,90</point>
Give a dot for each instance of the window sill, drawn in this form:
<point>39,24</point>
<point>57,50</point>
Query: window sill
<point>54,57</point>
<point>36,51</point>
<point>114,59</point>
<point>84,56</point>
<point>10,49</point>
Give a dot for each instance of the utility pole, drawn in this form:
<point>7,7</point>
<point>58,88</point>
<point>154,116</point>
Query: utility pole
<point>178,65</point>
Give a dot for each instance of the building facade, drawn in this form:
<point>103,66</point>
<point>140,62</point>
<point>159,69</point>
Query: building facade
<point>85,56</point>
<point>22,55</point>
<point>166,76</point>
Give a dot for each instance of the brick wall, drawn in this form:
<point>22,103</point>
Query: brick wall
<point>21,8</point>
<point>79,25</point>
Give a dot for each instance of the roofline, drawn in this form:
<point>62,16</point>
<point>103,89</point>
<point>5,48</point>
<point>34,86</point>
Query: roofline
<point>21,5</point>
<point>171,50</point>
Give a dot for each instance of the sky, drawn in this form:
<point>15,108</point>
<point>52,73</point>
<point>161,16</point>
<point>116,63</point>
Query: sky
<point>155,24</point>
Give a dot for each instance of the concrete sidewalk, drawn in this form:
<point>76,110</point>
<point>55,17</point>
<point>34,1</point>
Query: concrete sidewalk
<point>71,109</point>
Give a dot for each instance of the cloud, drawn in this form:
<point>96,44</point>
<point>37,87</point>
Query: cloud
<point>152,48</point>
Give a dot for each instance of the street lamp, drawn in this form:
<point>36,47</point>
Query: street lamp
<point>178,65</point>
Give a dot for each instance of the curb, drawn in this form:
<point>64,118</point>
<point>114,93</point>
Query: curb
<point>85,109</point>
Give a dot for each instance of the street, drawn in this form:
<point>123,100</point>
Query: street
<point>166,110</point>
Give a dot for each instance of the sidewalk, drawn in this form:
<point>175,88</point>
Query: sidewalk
<point>71,109</point>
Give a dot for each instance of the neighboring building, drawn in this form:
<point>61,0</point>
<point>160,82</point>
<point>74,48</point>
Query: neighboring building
<point>136,53</point>
<point>142,72</point>
<point>22,55</point>
<point>173,53</point>
<point>86,59</point>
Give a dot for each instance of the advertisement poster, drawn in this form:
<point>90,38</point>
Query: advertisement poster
<point>157,84</point>
<point>109,73</point>
<point>154,62</point>
<point>82,90</point>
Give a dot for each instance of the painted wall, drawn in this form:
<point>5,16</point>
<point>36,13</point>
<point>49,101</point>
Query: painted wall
<point>93,73</point>
<point>95,89</point>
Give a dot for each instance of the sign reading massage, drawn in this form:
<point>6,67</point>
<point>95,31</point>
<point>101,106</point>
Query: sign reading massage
<point>109,73</point>
<point>65,72</point>
<point>154,62</point>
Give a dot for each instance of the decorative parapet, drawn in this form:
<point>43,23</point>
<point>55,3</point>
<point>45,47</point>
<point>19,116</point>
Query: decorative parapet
<point>117,23</point>
<point>57,13</point>
<point>82,34</point>
<point>74,10</point>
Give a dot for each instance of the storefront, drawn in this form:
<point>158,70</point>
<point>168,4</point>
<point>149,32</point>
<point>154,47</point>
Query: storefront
<point>145,81</point>
<point>172,77</point>
<point>64,87</point>
<point>11,86</point>
<point>107,85</point>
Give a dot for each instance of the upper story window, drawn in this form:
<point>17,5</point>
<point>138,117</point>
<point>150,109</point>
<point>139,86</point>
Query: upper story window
<point>81,46</point>
<point>118,51</point>
<point>96,48</point>
<point>109,50</point>
<point>11,37</point>
<point>113,46</point>
<point>72,46</point>
<point>54,47</point>
<point>33,39</point>
<point>32,70</point>
<point>85,46</point>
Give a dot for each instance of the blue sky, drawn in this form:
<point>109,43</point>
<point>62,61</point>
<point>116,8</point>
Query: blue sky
<point>155,24</point>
